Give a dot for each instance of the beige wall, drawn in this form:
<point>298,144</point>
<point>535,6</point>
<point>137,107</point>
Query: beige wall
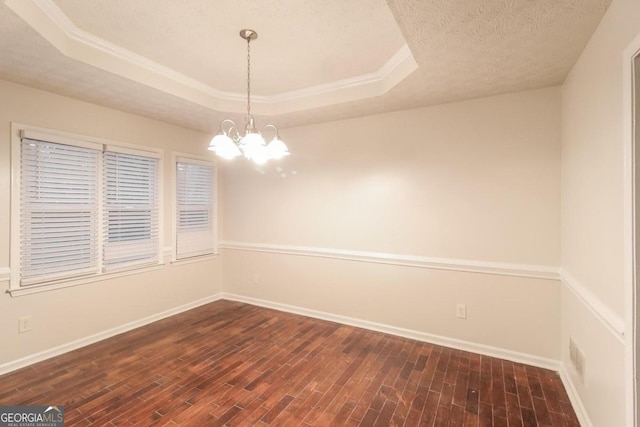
<point>505,313</point>
<point>592,211</point>
<point>64,315</point>
<point>475,180</point>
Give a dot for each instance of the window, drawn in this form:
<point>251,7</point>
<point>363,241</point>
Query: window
<point>84,208</point>
<point>58,210</point>
<point>131,210</point>
<point>195,210</point>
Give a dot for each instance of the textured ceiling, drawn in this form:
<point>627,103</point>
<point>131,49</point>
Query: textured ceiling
<point>463,49</point>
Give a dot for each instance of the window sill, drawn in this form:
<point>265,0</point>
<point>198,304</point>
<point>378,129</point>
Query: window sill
<point>191,260</point>
<point>45,287</point>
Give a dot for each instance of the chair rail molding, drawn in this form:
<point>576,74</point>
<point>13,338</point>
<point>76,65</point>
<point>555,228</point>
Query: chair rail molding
<point>5,274</point>
<point>610,319</point>
<point>469,266</point>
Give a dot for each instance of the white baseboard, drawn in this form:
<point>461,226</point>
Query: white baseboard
<point>82,342</point>
<point>574,397</point>
<point>486,350</point>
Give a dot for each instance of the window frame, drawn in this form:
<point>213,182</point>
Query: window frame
<point>68,138</point>
<point>175,156</point>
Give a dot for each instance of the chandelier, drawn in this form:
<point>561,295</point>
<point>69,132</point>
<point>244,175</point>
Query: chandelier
<point>230,143</point>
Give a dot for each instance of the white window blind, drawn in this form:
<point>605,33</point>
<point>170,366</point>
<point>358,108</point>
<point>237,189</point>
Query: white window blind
<point>58,211</point>
<point>131,210</point>
<point>195,222</point>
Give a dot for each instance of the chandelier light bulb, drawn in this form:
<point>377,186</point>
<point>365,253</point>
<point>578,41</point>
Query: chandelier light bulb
<point>277,149</point>
<point>260,155</point>
<point>224,146</point>
<point>253,146</point>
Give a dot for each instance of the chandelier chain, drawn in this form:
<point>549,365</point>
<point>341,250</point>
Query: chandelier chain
<point>248,77</point>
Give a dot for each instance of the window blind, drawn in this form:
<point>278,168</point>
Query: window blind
<point>131,210</point>
<point>58,211</point>
<point>195,222</point>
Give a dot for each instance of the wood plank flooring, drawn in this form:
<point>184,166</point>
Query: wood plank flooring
<point>234,364</point>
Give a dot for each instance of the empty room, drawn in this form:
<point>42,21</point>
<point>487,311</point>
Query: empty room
<point>319,213</point>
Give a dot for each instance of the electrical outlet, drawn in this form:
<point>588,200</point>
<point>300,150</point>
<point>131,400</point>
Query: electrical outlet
<point>24,324</point>
<point>461,311</point>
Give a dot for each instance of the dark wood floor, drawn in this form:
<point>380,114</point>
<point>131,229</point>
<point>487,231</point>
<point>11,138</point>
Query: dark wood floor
<point>234,364</point>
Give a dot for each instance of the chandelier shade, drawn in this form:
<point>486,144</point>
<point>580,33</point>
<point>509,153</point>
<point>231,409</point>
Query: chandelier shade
<point>229,143</point>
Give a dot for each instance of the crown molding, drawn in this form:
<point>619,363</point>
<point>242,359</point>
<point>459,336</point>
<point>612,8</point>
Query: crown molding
<point>50,22</point>
<point>399,66</point>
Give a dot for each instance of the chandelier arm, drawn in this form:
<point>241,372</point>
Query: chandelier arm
<point>270,126</point>
<point>221,127</point>
<point>231,130</point>
<point>234,134</point>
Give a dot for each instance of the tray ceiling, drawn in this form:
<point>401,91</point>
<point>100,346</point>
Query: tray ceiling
<point>183,62</point>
